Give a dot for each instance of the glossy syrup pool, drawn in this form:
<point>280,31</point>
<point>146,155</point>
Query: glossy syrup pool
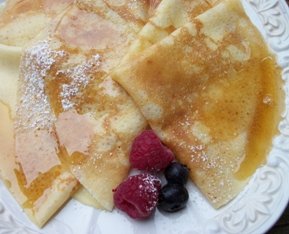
<point>267,117</point>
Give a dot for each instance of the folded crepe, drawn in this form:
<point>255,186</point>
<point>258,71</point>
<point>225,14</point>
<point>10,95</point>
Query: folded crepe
<point>130,10</point>
<point>22,20</point>
<point>108,104</point>
<point>212,92</point>
<point>34,179</point>
<point>35,169</point>
<point>41,197</point>
<point>96,120</point>
<point>88,103</point>
<point>168,16</point>
<point>32,171</point>
<point>39,200</point>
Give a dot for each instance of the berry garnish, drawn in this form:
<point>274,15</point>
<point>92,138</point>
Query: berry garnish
<point>173,197</point>
<point>148,153</point>
<point>177,173</point>
<point>138,195</point>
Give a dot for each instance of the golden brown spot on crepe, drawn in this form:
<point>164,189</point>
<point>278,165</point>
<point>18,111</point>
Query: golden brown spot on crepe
<point>198,9</point>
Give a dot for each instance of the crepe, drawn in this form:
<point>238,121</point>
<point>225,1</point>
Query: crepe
<point>9,73</point>
<point>137,12</point>
<point>58,190</point>
<point>19,30</point>
<point>36,171</point>
<point>169,15</point>
<point>48,50</point>
<point>88,104</point>
<point>22,20</point>
<point>212,92</point>
<point>41,198</point>
<point>38,59</point>
<point>42,201</point>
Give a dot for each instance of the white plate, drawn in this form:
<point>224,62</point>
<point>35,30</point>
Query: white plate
<point>255,210</point>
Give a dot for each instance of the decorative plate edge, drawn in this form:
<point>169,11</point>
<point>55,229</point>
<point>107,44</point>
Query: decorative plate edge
<point>269,187</point>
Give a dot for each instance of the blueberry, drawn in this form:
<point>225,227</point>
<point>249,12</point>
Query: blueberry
<point>177,173</point>
<point>173,197</point>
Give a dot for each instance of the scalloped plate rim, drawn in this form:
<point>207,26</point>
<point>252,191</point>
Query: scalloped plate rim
<point>239,216</point>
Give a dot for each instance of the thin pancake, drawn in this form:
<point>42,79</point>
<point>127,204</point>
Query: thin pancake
<point>22,20</point>
<point>88,104</point>
<point>9,73</point>
<point>41,176</point>
<point>25,11</point>
<point>38,170</point>
<point>41,171</point>
<point>130,10</point>
<point>211,91</point>
<point>39,199</point>
<point>169,15</point>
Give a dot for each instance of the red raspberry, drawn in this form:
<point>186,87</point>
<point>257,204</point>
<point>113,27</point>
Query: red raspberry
<point>148,153</point>
<point>138,195</point>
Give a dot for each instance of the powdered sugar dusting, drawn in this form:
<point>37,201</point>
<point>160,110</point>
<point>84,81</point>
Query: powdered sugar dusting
<point>79,79</point>
<point>220,159</point>
<point>34,108</point>
<point>149,187</point>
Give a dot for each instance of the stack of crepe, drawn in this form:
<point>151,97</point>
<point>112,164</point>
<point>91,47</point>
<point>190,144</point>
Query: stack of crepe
<point>93,74</point>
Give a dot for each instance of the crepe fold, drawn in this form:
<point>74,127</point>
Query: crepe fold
<point>34,167</point>
<point>25,155</point>
<point>87,103</point>
<point>22,20</point>
<point>212,92</point>
<point>29,166</point>
<point>169,15</point>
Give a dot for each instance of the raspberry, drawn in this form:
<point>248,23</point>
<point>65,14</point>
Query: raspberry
<point>148,153</point>
<point>138,195</point>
